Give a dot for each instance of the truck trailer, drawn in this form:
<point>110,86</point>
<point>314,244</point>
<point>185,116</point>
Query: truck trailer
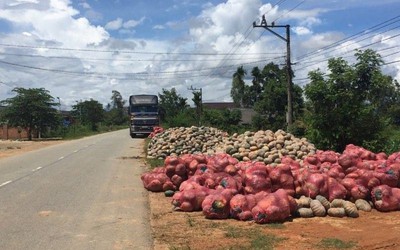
<point>144,114</point>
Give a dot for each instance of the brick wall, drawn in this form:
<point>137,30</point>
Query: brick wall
<point>8,133</point>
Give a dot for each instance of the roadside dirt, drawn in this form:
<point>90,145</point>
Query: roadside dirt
<point>179,230</point>
<point>11,148</point>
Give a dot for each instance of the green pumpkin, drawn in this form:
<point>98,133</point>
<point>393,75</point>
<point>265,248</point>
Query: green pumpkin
<point>305,212</point>
<point>337,212</point>
<point>317,208</point>
<point>169,193</point>
<point>363,205</point>
<point>350,209</point>
<point>218,205</point>
<point>323,201</point>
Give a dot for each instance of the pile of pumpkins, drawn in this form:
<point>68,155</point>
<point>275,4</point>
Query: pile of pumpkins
<point>320,184</point>
<point>264,145</point>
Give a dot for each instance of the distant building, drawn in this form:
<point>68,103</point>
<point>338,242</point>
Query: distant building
<point>10,133</point>
<point>247,113</point>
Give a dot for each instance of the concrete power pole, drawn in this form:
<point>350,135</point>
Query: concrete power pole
<point>289,115</point>
<point>200,108</point>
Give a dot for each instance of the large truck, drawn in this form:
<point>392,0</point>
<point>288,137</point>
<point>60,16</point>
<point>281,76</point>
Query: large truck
<point>144,114</point>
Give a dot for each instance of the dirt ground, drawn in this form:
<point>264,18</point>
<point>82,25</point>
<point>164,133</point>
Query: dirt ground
<point>11,147</point>
<point>179,230</point>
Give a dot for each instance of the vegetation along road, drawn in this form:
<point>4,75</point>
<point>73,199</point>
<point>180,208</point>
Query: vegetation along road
<point>81,194</point>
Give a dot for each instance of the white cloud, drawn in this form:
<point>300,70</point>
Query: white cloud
<point>133,23</point>
<point>301,30</point>
<point>114,25</point>
<point>85,5</point>
<point>56,23</point>
<point>158,27</point>
<point>20,2</point>
<point>221,28</point>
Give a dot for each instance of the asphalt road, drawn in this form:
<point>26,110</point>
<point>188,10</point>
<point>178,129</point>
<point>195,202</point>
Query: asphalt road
<point>81,194</point>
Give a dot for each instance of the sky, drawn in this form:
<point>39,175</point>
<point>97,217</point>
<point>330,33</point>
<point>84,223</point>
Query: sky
<point>84,49</point>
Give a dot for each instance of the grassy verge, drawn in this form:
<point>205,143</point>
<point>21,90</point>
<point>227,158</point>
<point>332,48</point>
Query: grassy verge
<point>152,162</point>
<point>256,239</point>
<point>79,131</point>
<point>333,243</point>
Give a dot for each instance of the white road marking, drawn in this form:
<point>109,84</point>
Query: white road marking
<point>36,169</point>
<point>62,157</point>
<point>5,183</point>
<point>76,151</point>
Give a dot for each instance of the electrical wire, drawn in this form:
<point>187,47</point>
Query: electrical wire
<point>284,14</point>
<point>174,73</point>
<point>358,34</point>
<point>126,60</point>
<point>361,47</point>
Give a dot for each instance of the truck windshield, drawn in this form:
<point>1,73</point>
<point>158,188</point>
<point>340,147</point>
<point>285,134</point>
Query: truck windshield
<point>144,109</point>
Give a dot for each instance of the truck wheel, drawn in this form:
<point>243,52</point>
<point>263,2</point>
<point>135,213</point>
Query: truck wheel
<point>133,135</point>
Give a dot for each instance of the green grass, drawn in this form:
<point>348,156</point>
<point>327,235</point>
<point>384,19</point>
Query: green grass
<point>151,162</point>
<point>275,225</point>
<point>258,240</point>
<point>190,221</point>
<point>179,248</point>
<point>335,244</point>
<point>236,232</point>
<point>266,242</point>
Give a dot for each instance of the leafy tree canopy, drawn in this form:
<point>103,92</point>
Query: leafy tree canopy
<point>32,109</point>
<point>267,95</point>
<point>89,113</point>
<point>116,114</point>
<point>171,103</point>
<point>351,104</point>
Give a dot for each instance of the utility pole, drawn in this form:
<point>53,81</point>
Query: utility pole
<point>200,105</point>
<point>289,115</point>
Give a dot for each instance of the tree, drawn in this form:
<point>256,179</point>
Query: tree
<point>198,104</point>
<point>116,114</point>
<point>227,120</point>
<point>89,113</point>
<point>171,104</point>
<point>32,109</point>
<point>351,104</point>
<point>238,86</point>
<point>268,97</point>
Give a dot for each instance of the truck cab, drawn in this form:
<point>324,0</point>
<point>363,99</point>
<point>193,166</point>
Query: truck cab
<point>144,114</point>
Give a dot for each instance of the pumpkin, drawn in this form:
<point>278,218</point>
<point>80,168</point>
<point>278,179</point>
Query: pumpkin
<point>169,193</point>
<point>303,201</point>
<point>337,203</point>
<point>241,205</point>
<point>305,212</point>
<point>363,205</point>
<point>317,208</point>
<point>323,201</point>
<point>337,212</point>
<point>350,209</point>
<point>274,207</point>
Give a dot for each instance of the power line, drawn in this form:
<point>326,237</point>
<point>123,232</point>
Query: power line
<point>124,60</point>
<point>248,32</point>
<point>358,34</point>
<point>114,51</point>
<point>174,73</point>
<point>284,14</point>
<point>391,62</point>
<point>344,53</point>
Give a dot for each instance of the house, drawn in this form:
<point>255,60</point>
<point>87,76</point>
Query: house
<point>247,113</point>
<point>11,133</point>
